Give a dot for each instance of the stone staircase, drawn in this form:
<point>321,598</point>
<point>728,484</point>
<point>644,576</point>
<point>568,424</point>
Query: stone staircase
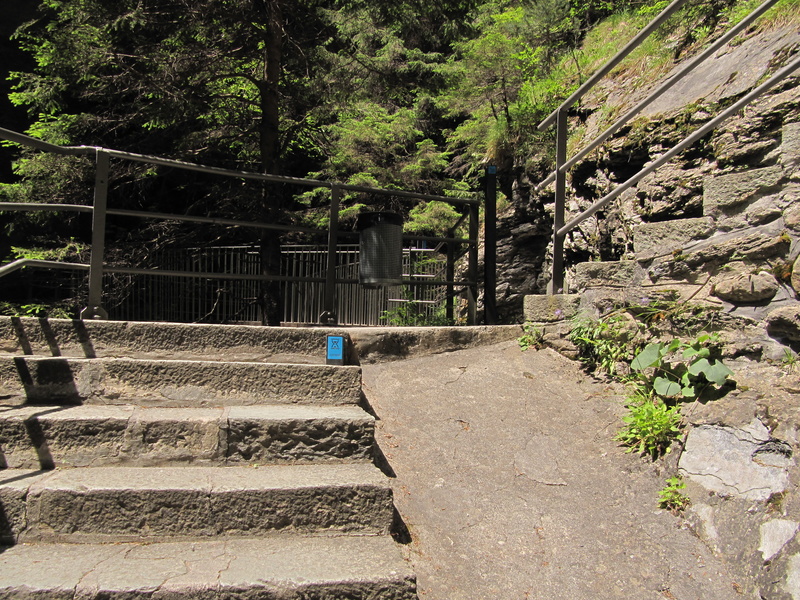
<point>188,461</point>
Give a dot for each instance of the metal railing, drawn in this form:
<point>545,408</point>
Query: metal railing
<point>100,211</point>
<point>559,117</point>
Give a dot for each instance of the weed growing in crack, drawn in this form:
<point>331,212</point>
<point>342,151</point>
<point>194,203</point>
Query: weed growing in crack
<point>672,497</point>
<point>606,342</point>
<point>532,337</point>
<point>650,425</point>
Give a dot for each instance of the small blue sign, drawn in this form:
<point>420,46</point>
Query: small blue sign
<point>491,170</point>
<point>335,349</point>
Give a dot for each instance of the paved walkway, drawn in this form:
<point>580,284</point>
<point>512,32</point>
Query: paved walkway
<point>512,487</point>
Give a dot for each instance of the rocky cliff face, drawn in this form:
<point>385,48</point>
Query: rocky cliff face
<point>763,137</point>
<point>719,227</point>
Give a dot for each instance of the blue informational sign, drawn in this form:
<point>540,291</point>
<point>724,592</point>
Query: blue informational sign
<point>335,355</point>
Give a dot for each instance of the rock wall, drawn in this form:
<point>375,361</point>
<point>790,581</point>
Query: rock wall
<point>718,227</point>
<point>764,137</point>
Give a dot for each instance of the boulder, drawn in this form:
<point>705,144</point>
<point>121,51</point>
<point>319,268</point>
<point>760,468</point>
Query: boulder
<point>745,288</point>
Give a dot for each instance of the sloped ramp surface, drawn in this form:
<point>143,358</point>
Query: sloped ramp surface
<point>511,485</point>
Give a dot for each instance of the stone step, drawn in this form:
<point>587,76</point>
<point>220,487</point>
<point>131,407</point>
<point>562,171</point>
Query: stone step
<point>285,567</point>
<point>104,503</point>
<point>98,339</point>
<point>33,437</point>
<point>33,379</point>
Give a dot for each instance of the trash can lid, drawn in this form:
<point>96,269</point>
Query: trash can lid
<point>370,219</point>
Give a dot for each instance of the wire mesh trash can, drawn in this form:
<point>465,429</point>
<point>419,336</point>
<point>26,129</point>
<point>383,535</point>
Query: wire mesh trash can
<point>381,252</point>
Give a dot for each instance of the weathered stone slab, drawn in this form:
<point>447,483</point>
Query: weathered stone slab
<point>90,339</point>
<point>205,501</point>
<point>723,193</point>
<point>14,486</point>
<point>95,435</point>
<point>50,436</point>
<point>296,433</point>
<point>790,145</point>
<point>664,238</point>
<point>176,382</point>
<point>549,308</point>
<point>286,567</point>
<point>623,273</point>
<point>753,246</point>
<point>744,463</point>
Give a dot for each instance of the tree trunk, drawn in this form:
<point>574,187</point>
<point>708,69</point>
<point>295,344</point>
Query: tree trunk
<point>271,301</point>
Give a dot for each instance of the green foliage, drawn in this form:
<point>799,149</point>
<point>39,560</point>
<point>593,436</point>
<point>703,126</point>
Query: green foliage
<point>678,369</point>
<point>413,313</point>
<point>672,497</point>
<point>603,343</point>
<point>532,337</point>
<point>69,252</point>
<point>650,426</point>
<point>56,311</point>
<point>789,360</point>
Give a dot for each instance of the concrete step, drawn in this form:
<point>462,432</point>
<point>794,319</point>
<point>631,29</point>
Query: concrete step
<point>285,567</point>
<point>33,437</point>
<point>31,379</point>
<point>103,503</point>
<point>98,339</point>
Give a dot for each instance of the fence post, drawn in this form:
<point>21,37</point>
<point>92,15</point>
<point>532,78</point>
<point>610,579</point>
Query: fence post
<point>490,248</point>
<point>450,276</point>
<point>94,308</point>
<point>472,270</point>
<point>556,285</point>
<point>328,317</point>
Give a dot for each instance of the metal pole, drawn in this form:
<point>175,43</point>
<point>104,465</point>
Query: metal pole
<point>450,275</point>
<point>472,289</point>
<point>94,309</point>
<point>556,285</point>
<point>328,316</point>
<point>490,248</point>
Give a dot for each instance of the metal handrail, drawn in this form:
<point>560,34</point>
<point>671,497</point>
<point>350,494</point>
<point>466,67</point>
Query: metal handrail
<point>100,211</point>
<point>615,60</point>
<point>660,90</point>
<point>560,229</point>
<point>678,148</point>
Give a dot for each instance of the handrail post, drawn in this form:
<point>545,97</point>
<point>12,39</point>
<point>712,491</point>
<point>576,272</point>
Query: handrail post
<point>450,276</point>
<point>472,269</point>
<point>556,284</point>
<point>94,308</point>
<point>328,317</point>
<point>490,248</point>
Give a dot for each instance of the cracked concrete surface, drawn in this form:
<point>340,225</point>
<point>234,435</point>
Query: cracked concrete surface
<point>325,568</point>
<point>511,485</point>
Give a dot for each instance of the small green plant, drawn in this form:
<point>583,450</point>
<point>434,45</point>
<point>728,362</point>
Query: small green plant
<point>678,369</point>
<point>650,426</point>
<point>605,342</point>
<point>672,497</point>
<point>789,360</point>
<point>532,337</point>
